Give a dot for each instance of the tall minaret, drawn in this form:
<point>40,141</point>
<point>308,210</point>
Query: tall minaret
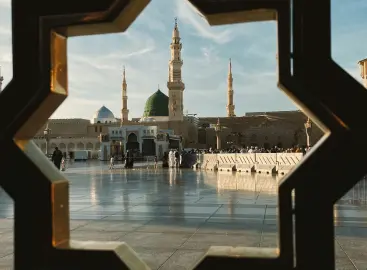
<point>1,80</point>
<point>175,85</point>
<point>124,111</point>
<point>230,105</point>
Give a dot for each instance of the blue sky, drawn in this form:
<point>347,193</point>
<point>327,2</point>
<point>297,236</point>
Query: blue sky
<point>95,63</point>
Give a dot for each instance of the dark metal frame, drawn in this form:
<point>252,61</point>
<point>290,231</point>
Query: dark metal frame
<point>40,192</point>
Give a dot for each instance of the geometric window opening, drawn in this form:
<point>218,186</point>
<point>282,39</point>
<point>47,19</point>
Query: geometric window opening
<point>45,195</point>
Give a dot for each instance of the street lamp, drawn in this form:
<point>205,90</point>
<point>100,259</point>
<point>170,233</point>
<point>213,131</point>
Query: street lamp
<point>308,129</point>
<point>218,130</point>
<point>47,133</point>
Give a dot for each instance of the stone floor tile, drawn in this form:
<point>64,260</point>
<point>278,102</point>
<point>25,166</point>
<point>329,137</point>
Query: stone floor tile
<point>155,240</point>
<point>6,236</point>
<point>172,225</point>
<point>6,263</point>
<point>360,264</point>
<point>154,257</point>
<point>269,241</point>
<point>183,260</point>
<point>157,212</point>
<point>229,228</point>
<point>111,226</point>
<point>204,241</point>
<point>74,224</point>
<point>6,248</point>
<point>96,235</point>
<point>6,224</point>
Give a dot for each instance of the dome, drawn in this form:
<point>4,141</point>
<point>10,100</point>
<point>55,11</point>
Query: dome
<point>103,112</point>
<point>103,115</point>
<point>156,105</point>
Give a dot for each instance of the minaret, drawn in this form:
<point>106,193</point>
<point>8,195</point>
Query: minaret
<point>175,85</point>
<point>124,111</point>
<point>1,80</point>
<point>230,105</point>
<point>363,67</point>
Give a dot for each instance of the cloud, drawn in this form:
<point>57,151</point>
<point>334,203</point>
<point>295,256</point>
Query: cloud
<point>5,4</point>
<point>187,14</point>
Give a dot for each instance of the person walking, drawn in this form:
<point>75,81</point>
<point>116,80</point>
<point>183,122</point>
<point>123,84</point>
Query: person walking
<point>177,159</point>
<point>171,159</point>
<point>112,162</point>
<point>155,162</point>
<point>57,157</point>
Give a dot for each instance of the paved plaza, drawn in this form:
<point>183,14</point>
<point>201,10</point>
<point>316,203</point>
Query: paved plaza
<point>171,217</point>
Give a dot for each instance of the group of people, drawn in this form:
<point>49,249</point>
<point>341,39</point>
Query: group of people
<point>255,149</point>
<point>129,160</point>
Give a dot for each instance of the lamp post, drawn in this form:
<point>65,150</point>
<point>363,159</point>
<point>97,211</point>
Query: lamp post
<point>47,133</point>
<point>308,129</point>
<point>218,130</point>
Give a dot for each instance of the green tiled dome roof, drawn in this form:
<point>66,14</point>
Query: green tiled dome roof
<point>156,105</point>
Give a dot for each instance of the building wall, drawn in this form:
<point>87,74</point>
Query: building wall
<point>261,129</point>
<point>69,144</point>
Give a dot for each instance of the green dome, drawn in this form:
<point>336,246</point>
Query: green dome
<point>156,105</point>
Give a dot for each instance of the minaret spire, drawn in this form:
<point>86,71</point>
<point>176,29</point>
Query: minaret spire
<point>1,80</point>
<point>124,110</point>
<point>175,85</point>
<point>230,105</point>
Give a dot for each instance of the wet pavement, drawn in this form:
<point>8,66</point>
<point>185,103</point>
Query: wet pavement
<point>171,217</point>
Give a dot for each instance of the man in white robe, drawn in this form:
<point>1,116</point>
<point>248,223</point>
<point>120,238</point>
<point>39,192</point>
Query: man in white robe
<point>171,159</point>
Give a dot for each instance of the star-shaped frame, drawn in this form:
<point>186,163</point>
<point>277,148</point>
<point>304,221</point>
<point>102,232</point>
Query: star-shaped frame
<point>40,192</point>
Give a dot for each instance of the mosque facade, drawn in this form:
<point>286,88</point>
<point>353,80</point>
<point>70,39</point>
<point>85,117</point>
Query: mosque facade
<point>164,125</point>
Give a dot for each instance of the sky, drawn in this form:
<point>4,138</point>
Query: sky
<point>96,62</point>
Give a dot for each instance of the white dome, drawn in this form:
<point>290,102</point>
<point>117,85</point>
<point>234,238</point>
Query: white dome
<point>103,115</point>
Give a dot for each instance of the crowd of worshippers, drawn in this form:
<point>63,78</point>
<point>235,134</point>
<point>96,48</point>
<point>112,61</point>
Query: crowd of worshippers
<point>255,149</point>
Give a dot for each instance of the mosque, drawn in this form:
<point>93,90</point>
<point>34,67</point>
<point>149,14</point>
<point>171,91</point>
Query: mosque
<point>164,125</point>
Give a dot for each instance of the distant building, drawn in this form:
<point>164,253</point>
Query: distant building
<point>163,113</point>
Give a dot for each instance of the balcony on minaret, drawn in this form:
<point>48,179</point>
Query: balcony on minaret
<point>176,85</point>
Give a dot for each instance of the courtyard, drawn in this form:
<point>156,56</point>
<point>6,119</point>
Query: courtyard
<point>170,217</point>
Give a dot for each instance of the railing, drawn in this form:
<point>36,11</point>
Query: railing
<point>269,163</point>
